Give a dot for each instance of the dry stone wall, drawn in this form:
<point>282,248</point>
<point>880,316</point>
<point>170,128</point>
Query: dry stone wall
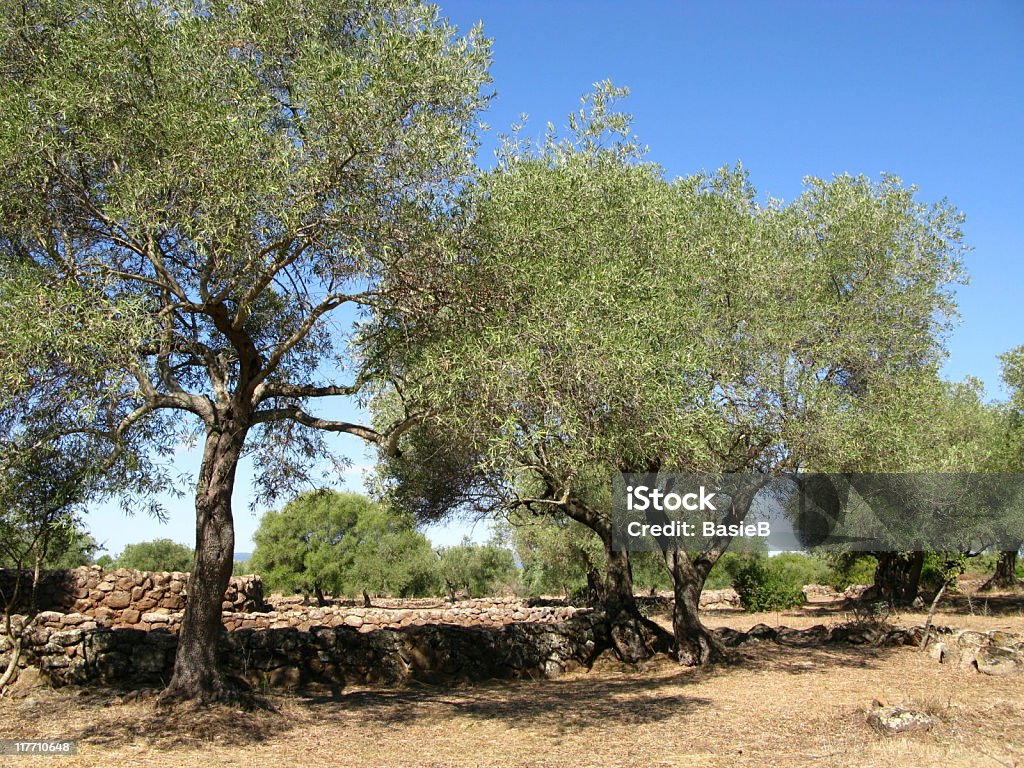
<point>710,600</point>
<point>287,658</point>
<point>120,627</point>
<point>122,597</point>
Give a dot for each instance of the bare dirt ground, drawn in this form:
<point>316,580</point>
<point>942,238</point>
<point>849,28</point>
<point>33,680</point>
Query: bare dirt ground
<point>776,706</point>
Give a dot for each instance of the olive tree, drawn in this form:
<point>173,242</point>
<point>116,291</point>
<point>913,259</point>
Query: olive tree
<point>156,555</point>
<point>622,322</point>
<point>42,490</point>
<point>262,179</point>
<point>558,555</point>
<point>326,542</point>
<point>476,570</point>
<point>1008,456</point>
<point>953,435</point>
<point>51,460</point>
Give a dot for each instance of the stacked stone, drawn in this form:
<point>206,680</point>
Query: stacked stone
<point>720,599</point>
<point>468,614</point>
<point>477,614</point>
<point>125,597</point>
<point>710,600</point>
<point>333,656</point>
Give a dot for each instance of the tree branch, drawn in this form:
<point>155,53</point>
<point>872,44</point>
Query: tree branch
<point>268,390</point>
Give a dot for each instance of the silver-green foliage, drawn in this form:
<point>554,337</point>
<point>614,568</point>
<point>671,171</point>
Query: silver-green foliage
<point>619,320</point>
<point>222,177</point>
<point>476,570</point>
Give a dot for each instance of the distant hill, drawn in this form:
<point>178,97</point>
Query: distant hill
<point>242,557</point>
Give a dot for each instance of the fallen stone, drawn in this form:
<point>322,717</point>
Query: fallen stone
<point>899,720</point>
<point>998,661</point>
<point>969,639</point>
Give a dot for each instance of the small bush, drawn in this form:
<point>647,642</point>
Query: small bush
<point>724,571</point>
<point>849,568</point>
<point>763,586</point>
<point>800,569</point>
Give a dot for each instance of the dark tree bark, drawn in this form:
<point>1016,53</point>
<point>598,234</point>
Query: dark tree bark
<point>634,637</point>
<point>595,588</point>
<point>897,577</point>
<point>1005,576</point>
<point>197,675</point>
<point>695,645</point>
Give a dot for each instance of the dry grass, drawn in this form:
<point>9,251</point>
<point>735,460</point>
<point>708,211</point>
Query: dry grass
<point>778,706</point>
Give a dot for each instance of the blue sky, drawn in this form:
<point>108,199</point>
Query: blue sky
<point>932,92</point>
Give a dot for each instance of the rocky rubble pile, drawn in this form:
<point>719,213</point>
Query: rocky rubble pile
<point>993,653</point>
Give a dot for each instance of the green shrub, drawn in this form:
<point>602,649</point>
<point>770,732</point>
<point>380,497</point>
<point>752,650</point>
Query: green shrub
<point>763,586</point>
<point>800,569</point>
<point>724,571</point>
<point>849,568</point>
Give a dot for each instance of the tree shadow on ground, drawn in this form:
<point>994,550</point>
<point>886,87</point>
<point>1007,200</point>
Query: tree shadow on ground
<point>984,604</point>
<point>654,692</point>
<point>802,658</point>
<point>109,719</point>
<point>549,704</point>
<point>612,693</point>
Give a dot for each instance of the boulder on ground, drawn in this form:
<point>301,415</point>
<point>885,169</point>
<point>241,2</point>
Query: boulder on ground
<point>899,720</point>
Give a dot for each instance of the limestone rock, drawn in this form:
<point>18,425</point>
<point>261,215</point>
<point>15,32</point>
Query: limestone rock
<point>899,720</point>
<point>119,599</point>
<point>999,661</point>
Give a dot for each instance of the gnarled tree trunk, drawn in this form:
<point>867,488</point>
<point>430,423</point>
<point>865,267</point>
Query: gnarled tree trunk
<point>197,675</point>
<point>897,577</point>
<point>695,644</point>
<point>1005,576</point>
<point>634,637</point>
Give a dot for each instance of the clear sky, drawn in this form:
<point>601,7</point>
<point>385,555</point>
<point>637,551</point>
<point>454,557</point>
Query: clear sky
<point>932,92</point>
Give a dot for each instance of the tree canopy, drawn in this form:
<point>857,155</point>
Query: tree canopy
<point>329,543</point>
<point>156,555</point>
<point>475,570</point>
